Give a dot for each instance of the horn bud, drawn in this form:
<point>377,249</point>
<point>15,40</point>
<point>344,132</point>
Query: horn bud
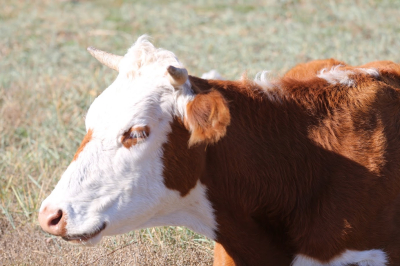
<point>107,59</point>
<point>177,76</point>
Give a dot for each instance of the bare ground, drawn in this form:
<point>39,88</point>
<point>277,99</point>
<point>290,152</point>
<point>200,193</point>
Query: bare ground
<point>28,245</point>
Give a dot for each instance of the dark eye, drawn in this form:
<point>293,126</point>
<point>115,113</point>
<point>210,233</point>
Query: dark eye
<point>135,135</point>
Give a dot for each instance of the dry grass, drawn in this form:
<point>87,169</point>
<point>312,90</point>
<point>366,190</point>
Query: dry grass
<point>48,80</point>
<point>157,246</point>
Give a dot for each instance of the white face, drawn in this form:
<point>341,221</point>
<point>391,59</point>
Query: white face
<point>115,184</point>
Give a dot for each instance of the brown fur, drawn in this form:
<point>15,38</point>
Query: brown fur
<point>86,139</point>
<point>310,69</point>
<point>182,166</point>
<point>313,172</point>
<point>221,258</point>
<point>207,117</point>
<point>389,71</point>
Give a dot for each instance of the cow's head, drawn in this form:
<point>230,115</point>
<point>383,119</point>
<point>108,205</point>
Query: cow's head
<point>137,166</point>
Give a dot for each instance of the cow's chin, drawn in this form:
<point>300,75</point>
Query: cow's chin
<point>87,239</point>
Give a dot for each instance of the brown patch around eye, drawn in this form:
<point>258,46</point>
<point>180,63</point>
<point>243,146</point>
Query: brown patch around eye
<point>135,135</point>
<point>85,141</point>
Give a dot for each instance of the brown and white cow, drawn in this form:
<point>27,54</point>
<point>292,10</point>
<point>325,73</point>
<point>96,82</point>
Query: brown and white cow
<point>303,170</point>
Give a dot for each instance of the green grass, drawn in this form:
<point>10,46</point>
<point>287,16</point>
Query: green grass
<point>48,80</point>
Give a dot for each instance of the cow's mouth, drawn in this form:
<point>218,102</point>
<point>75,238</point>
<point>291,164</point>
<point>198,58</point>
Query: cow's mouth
<point>81,239</point>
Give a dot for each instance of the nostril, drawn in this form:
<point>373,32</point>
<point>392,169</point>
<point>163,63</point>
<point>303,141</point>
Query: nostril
<point>53,221</point>
<point>56,219</point>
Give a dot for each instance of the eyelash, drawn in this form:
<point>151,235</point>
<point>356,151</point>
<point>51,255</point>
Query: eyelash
<point>135,135</point>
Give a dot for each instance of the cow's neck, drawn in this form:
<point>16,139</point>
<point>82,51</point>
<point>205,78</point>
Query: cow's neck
<point>252,173</point>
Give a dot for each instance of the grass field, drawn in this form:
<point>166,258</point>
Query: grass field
<point>48,80</point>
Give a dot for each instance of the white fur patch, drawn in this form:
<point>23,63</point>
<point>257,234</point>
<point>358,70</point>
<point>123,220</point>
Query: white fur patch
<point>212,74</point>
<point>193,211</point>
<point>373,257</point>
<point>337,76</point>
<point>263,79</point>
<point>270,88</point>
<point>370,71</point>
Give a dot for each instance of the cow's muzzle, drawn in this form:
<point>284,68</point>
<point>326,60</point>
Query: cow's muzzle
<point>53,221</point>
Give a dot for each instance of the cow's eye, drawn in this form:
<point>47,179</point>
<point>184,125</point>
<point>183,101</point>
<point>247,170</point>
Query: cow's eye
<point>135,135</point>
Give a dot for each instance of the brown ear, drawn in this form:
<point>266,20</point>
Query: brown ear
<point>207,116</point>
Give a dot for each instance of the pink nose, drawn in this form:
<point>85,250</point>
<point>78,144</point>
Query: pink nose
<point>53,221</point>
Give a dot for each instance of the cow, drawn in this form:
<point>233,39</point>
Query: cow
<point>298,170</point>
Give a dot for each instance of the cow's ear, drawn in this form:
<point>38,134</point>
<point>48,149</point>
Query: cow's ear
<point>207,115</point>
